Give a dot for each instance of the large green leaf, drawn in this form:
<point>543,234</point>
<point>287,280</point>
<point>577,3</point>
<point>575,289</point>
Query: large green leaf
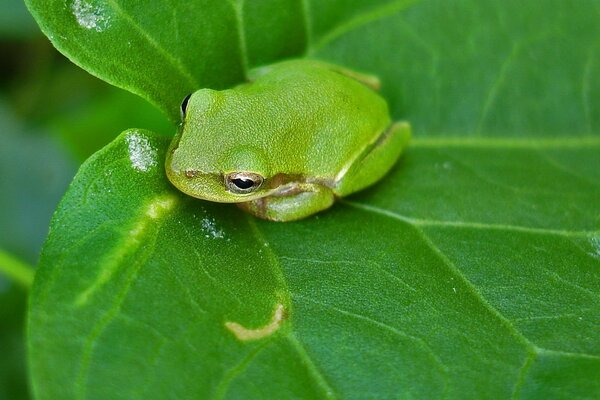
<point>164,50</point>
<point>458,275</point>
<point>471,271</point>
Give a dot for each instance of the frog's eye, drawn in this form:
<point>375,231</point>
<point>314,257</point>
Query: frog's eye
<point>243,182</point>
<point>184,104</point>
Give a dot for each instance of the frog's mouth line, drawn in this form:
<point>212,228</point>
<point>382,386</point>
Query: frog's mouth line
<point>212,187</point>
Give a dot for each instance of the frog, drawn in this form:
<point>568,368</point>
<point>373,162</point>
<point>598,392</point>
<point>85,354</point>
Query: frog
<point>288,142</point>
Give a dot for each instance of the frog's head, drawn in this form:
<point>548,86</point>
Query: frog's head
<point>210,160</point>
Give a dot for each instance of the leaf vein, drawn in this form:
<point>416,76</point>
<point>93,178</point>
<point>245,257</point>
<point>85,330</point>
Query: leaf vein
<point>170,58</point>
<point>307,22</point>
<point>238,9</point>
<point>507,143</point>
<point>312,368</point>
<point>568,354</point>
<point>285,300</point>
<point>205,269</point>
<point>381,325</point>
<point>568,283</point>
<point>467,224</point>
<point>529,360</point>
<point>455,271</point>
<point>561,167</point>
<point>586,78</point>
<point>362,19</point>
<point>109,316</point>
<point>236,370</point>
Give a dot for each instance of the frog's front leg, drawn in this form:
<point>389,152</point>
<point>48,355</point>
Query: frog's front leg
<point>297,201</point>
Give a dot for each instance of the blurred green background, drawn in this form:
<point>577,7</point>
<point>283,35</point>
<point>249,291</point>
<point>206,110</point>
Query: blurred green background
<point>53,115</point>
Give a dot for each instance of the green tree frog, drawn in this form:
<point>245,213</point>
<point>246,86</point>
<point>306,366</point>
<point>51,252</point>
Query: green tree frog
<point>287,143</point>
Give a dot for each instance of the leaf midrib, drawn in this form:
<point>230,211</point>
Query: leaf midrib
<point>468,224</point>
<point>174,61</point>
<point>498,142</point>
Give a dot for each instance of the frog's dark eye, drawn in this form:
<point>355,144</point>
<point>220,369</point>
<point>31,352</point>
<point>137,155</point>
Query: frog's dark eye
<point>184,104</point>
<point>243,182</point>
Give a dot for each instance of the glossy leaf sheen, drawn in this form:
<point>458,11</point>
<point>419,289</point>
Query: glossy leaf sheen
<point>471,271</point>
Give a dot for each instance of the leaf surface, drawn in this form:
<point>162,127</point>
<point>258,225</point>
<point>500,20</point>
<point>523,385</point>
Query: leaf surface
<point>471,271</point>
<point>478,298</point>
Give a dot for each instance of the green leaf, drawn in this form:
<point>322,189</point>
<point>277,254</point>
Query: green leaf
<point>471,271</point>
<point>138,287</point>
<point>166,50</point>
<point>478,68</point>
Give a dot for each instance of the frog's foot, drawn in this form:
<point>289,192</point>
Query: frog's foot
<point>298,202</point>
<point>376,160</point>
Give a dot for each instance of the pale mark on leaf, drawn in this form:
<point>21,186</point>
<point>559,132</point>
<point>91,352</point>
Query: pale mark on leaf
<point>159,206</point>
<point>112,261</point>
<point>209,226</point>
<point>90,15</point>
<point>141,153</point>
<point>245,334</point>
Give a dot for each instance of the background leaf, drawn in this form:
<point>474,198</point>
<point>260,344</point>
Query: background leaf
<point>15,21</point>
<point>471,271</point>
<point>34,173</point>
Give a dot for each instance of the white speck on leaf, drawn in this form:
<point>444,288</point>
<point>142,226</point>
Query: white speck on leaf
<point>209,226</point>
<point>90,15</point>
<point>141,153</point>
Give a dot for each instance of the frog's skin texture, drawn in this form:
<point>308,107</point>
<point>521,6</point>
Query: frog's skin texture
<point>288,143</point>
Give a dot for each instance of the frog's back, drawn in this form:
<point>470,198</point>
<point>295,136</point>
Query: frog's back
<point>316,120</point>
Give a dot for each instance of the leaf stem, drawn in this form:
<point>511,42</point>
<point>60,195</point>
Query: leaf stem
<point>16,270</point>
